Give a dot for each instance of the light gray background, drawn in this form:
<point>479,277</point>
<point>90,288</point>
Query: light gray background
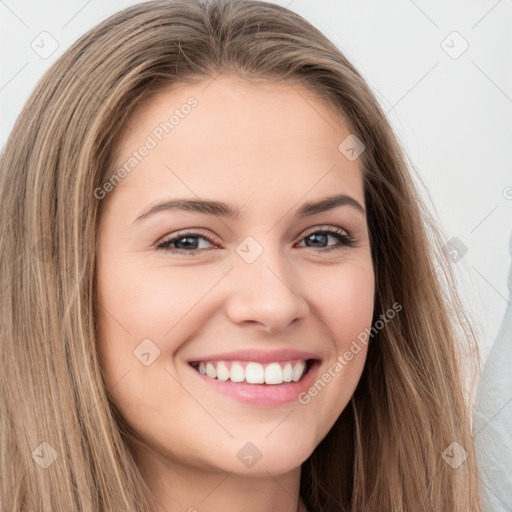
<point>451,112</point>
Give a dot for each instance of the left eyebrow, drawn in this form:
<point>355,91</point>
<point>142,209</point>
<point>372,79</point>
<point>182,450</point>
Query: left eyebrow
<point>225,210</point>
<point>329,203</point>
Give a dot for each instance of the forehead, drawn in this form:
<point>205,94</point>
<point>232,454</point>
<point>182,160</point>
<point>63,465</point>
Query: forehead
<point>236,137</point>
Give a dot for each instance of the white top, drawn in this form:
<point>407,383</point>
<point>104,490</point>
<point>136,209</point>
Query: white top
<point>493,418</point>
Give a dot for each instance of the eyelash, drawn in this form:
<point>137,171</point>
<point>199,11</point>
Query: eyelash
<point>342,236</point>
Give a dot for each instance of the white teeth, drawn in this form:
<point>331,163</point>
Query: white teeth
<point>237,373</point>
<point>211,371</point>
<point>297,371</point>
<point>287,372</point>
<point>273,374</point>
<point>253,373</point>
<point>222,371</point>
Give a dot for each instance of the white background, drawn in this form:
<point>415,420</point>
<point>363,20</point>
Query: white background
<point>452,115</point>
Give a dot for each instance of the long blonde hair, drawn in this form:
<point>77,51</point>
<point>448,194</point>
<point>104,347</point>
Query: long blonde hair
<point>63,445</point>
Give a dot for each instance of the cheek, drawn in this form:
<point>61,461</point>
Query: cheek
<point>344,301</point>
<point>147,309</point>
<point>152,300</point>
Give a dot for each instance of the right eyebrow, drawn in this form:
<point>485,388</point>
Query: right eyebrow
<point>192,205</point>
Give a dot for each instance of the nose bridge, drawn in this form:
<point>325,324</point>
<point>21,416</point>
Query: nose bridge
<point>263,290</point>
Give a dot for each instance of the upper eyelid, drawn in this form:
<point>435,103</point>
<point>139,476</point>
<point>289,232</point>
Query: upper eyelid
<point>324,227</point>
<point>183,234</point>
<point>198,231</point>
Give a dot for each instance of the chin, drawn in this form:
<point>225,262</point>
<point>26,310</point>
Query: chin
<point>262,456</point>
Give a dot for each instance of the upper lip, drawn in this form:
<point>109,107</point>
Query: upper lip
<point>258,356</point>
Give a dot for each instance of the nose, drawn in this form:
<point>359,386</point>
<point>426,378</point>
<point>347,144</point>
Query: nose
<point>260,295</point>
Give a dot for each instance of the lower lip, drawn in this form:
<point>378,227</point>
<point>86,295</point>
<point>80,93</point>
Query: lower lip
<point>262,394</point>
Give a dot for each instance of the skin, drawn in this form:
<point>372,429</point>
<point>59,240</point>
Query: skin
<point>265,148</point>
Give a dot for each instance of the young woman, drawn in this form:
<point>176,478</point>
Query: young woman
<point>220,289</point>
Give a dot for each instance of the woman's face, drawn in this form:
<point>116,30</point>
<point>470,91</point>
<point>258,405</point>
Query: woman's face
<point>235,244</point>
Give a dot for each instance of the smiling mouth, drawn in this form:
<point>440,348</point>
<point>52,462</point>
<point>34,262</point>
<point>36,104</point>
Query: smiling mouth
<point>251,372</point>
